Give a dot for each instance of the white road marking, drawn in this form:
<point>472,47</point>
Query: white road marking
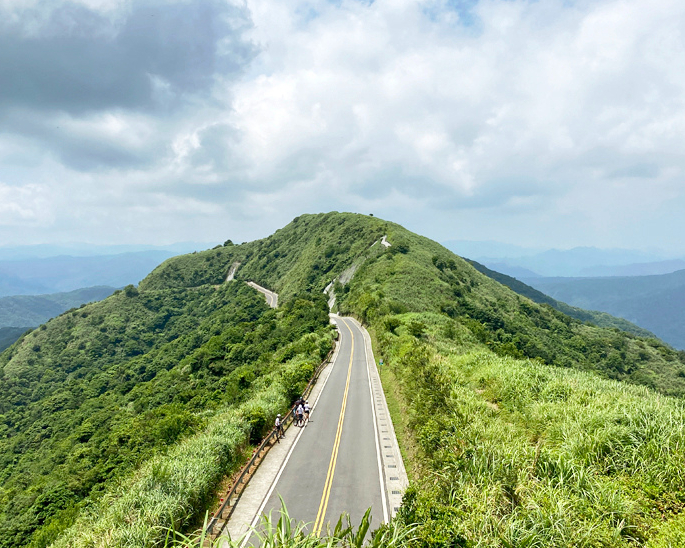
<point>381,475</point>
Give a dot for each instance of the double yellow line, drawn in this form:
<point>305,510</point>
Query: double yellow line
<point>321,514</point>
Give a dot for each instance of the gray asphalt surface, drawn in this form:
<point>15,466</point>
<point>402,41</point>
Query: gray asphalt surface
<point>271,297</point>
<point>334,466</point>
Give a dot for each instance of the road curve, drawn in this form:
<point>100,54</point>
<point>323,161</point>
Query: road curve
<point>271,297</point>
<point>334,464</point>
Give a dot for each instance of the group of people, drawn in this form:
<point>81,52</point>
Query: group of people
<point>301,411</point>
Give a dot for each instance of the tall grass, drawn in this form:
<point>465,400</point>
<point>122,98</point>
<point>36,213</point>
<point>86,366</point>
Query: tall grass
<point>518,453</point>
<point>285,532</point>
<point>169,491</point>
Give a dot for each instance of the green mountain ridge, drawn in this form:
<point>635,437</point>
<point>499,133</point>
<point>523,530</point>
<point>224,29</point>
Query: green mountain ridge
<point>310,252</point>
<point>510,421</point>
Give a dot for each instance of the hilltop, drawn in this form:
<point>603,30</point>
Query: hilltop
<point>418,275</point>
<point>499,395</point>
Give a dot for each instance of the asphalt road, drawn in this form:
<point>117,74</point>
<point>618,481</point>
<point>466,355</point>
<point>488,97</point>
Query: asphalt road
<point>271,297</point>
<point>334,466</point>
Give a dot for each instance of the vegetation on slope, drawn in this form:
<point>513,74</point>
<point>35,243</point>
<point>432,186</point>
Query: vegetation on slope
<point>516,453</point>
<point>519,440</point>
<point>302,257</point>
<point>417,274</point>
<point>147,377</point>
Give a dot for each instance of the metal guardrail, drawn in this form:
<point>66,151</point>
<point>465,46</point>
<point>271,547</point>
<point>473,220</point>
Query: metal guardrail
<point>231,499</point>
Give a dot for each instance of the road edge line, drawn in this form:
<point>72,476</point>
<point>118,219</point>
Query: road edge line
<point>379,456</point>
<point>395,485</point>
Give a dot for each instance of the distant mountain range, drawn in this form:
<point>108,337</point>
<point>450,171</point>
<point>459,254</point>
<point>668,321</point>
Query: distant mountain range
<point>39,282</point>
<point>43,251</point>
<point>39,276</point>
<point>22,312</point>
<point>656,303</point>
<point>8,335</point>
<point>593,316</point>
<point>33,310</point>
<point>523,262</point>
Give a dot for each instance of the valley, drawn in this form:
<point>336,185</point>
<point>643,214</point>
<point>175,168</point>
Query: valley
<point>654,302</point>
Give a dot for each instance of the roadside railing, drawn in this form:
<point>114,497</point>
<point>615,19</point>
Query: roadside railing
<point>218,522</point>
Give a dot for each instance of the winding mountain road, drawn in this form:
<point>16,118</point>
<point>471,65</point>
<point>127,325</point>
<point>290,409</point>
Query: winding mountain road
<point>345,460</point>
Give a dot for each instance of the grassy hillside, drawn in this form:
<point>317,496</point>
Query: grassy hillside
<point>656,303</point>
<point>508,452</point>
<point>515,433</point>
<point>302,257</point>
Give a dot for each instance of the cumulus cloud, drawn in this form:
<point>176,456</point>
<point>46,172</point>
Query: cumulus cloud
<point>101,84</point>
<point>25,205</point>
<point>507,105</point>
<point>555,122</point>
<point>70,57</point>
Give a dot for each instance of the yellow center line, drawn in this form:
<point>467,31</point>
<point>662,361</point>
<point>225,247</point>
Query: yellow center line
<point>318,524</point>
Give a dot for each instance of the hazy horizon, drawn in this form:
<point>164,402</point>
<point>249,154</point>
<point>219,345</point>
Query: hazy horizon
<point>471,248</point>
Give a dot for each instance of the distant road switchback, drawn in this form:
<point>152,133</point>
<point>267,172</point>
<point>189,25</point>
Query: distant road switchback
<point>271,297</point>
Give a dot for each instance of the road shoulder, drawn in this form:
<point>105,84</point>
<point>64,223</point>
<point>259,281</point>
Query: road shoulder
<point>394,473</point>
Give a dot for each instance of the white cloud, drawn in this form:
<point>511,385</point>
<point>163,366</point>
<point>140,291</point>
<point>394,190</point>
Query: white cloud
<point>558,122</point>
<point>550,96</point>
<point>25,205</point>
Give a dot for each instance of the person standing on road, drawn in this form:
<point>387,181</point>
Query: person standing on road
<point>300,415</point>
<point>278,426</point>
<point>299,401</point>
<point>307,410</point>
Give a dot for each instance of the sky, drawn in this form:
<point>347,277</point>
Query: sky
<point>550,123</point>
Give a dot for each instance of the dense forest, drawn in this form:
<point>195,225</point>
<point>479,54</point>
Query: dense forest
<point>520,425</point>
